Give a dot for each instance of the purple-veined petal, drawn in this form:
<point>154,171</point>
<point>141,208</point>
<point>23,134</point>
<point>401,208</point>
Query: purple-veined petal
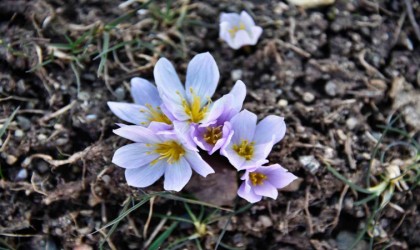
<point>133,155</point>
<point>242,38</point>
<point>198,164</point>
<point>129,112</point>
<point>277,175</point>
<point>202,78</point>
<point>243,124</point>
<point>239,93</point>
<point>246,192</point>
<point>231,18</point>
<point>177,175</point>
<point>144,92</point>
<point>220,110</point>
<point>266,189</point>
<point>226,137</point>
<point>144,176</point>
<point>271,128</point>
<point>160,126</point>
<point>256,32</point>
<point>247,20</point>
<point>184,132</point>
<point>166,78</point>
<point>137,134</point>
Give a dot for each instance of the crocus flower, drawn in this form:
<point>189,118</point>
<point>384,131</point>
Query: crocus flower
<point>264,181</point>
<point>147,106</point>
<point>239,30</point>
<point>251,143</point>
<point>155,154</point>
<point>192,103</point>
<point>216,129</point>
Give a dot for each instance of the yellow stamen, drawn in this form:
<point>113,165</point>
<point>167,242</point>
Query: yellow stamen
<point>169,150</point>
<point>235,29</point>
<point>213,134</point>
<point>245,149</point>
<point>194,109</point>
<point>257,178</point>
<point>156,115</point>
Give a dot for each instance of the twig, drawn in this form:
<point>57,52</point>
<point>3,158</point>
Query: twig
<point>308,214</point>
<point>294,48</point>
<point>339,207</point>
<point>156,231</point>
<point>370,69</point>
<point>413,22</point>
<point>57,113</point>
<point>149,218</point>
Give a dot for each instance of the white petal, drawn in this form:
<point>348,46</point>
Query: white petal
<point>144,92</point>
<point>138,134</point>
<point>144,176</point>
<point>247,19</point>
<point>266,189</point>
<point>242,38</point>
<point>198,164</point>
<point>236,160</point>
<point>243,125</point>
<point>232,18</point>
<point>129,112</point>
<point>133,155</point>
<point>166,78</point>
<point>177,175</point>
<point>272,128</point>
<point>202,77</point>
<point>256,32</point>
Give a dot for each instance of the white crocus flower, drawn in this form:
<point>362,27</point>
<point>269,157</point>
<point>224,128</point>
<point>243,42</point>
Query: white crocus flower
<point>239,30</point>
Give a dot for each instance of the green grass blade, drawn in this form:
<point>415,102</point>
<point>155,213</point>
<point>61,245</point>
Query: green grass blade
<point>104,56</point>
<point>365,200</point>
<point>344,179</point>
<point>76,73</point>
<point>178,198</point>
<point>161,239</point>
<point>8,121</point>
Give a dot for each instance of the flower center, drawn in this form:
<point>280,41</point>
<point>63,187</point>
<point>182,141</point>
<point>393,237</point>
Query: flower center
<point>235,29</point>
<point>169,150</point>
<point>245,149</point>
<point>257,178</point>
<point>194,109</point>
<point>155,115</point>
<point>213,134</point>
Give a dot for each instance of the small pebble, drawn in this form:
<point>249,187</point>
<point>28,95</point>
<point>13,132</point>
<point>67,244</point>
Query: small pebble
<point>236,74</point>
<point>24,123</point>
<point>19,133</point>
<point>351,123</point>
<point>21,175</point>
<point>42,167</point>
<point>282,103</point>
<point>265,221</point>
<point>331,88</point>
<point>41,137</point>
<point>120,93</point>
<point>308,97</point>
<point>83,95</point>
<point>11,159</point>
<point>106,179</point>
<point>310,163</point>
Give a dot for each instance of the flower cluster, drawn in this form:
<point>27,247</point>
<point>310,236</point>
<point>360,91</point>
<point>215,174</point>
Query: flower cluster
<point>172,121</point>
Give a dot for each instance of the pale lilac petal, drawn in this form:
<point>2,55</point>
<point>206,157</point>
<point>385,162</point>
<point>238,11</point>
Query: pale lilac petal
<point>144,92</point>
<point>239,93</point>
<point>256,32</point>
<point>219,108</point>
<point>166,78</point>
<point>271,128</point>
<point>198,164</point>
<point>241,38</point>
<point>133,155</point>
<point>137,134</point>
<point>160,126</point>
<point>197,136</point>
<point>177,175</point>
<point>247,193</point>
<point>173,108</point>
<point>202,77</point>
<point>266,189</point>
<point>230,18</point>
<point>225,35</point>
<point>277,175</point>
<point>236,160</point>
<point>226,137</point>
<point>247,19</point>
<point>129,112</point>
<point>184,132</point>
<point>144,176</point>
<point>243,125</point>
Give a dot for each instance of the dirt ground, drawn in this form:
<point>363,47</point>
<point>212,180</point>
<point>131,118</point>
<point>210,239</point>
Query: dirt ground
<point>339,74</point>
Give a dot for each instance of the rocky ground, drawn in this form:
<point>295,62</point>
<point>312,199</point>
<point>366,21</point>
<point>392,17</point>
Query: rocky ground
<point>346,78</point>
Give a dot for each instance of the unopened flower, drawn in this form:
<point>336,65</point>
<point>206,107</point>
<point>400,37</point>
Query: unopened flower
<point>147,106</point>
<point>251,143</point>
<point>264,181</point>
<point>216,129</point>
<point>192,103</point>
<point>155,154</point>
<point>239,30</point>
